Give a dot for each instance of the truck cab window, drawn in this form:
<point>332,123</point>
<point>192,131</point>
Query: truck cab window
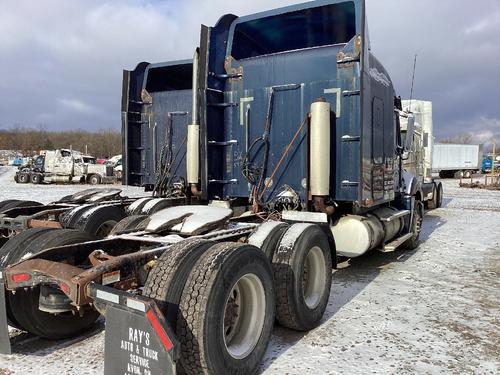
<point>314,27</point>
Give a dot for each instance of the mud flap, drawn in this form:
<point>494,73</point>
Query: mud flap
<point>5,347</point>
<point>138,340</point>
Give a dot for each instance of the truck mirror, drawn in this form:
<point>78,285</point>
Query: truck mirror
<point>409,132</point>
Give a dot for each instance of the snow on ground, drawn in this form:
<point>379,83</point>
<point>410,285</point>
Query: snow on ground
<point>430,311</point>
<point>48,193</point>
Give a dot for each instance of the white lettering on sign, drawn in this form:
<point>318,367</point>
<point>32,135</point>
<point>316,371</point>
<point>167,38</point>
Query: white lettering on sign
<point>126,345</point>
<point>134,370</point>
<point>137,336</point>
<point>150,353</point>
<point>138,360</point>
<point>139,352</point>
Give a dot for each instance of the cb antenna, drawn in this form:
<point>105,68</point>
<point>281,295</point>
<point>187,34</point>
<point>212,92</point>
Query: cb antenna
<point>413,80</point>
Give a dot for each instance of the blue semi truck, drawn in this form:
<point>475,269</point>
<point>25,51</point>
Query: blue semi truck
<point>488,164</point>
<point>273,153</point>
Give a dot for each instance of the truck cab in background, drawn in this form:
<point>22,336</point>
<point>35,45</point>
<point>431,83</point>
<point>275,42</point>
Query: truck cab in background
<point>488,164</point>
<point>417,135</point>
<point>65,166</point>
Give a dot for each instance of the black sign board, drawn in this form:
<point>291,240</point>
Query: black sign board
<point>133,346</point>
<point>4,329</point>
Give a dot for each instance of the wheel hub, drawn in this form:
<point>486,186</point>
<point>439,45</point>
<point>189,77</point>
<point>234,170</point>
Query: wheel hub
<point>232,313</point>
<point>244,316</point>
<point>314,277</point>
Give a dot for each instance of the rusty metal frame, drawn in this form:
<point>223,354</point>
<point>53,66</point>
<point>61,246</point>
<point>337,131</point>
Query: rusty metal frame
<point>75,280</point>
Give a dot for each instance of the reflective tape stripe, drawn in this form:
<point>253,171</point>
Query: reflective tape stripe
<point>136,305</point>
<point>107,296</point>
<point>162,335</point>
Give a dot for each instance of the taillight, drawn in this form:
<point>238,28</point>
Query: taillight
<point>20,277</point>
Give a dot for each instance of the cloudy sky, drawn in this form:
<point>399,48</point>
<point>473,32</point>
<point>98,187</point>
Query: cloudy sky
<point>62,61</point>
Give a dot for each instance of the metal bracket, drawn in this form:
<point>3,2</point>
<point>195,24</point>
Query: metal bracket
<point>348,183</point>
<point>223,105</point>
<point>351,93</point>
<point>350,138</point>
<point>177,113</point>
<point>223,182</point>
<point>337,91</point>
<point>226,143</point>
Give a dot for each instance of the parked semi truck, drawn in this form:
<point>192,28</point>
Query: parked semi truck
<point>456,160</point>
<point>65,166</point>
<point>416,119</point>
<point>281,152</point>
<point>488,164</point>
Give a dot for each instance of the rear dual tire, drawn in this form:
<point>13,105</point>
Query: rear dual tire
<point>23,178</point>
<point>227,311</point>
<point>130,224</point>
<point>24,305</point>
<point>10,253</point>
<point>416,226</point>
<point>302,267</point>
<point>439,195</point>
<point>36,178</point>
<point>98,221</point>
<point>220,300</point>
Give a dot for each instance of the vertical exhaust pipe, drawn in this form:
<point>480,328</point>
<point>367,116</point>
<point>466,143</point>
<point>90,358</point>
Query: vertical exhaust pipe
<point>193,136</point>
<point>320,154</point>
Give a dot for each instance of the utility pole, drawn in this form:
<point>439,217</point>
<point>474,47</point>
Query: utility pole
<point>493,158</point>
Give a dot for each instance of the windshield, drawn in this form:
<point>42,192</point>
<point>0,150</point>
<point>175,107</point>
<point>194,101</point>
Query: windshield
<point>89,160</point>
<point>312,27</point>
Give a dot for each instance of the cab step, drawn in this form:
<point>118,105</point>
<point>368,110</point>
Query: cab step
<point>393,245</point>
<point>397,215</point>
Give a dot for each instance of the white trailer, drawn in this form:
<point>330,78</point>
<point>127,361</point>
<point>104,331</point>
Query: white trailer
<point>457,160</point>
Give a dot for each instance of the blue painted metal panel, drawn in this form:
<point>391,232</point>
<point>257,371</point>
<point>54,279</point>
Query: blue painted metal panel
<point>315,71</point>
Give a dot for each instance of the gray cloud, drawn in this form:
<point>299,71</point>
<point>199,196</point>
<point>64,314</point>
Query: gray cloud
<point>62,60</point>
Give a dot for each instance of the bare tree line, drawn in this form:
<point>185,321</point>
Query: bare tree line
<point>462,139</point>
<point>28,141</point>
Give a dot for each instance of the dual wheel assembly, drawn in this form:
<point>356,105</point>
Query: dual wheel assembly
<point>222,299</point>
<point>44,311</point>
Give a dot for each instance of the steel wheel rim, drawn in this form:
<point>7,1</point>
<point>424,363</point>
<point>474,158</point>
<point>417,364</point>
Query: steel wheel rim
<point>314,277</point>
<point>244,316</point>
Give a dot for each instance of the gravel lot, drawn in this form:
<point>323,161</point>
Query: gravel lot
<point>430,311</point>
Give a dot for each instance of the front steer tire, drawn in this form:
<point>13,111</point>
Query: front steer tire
<point>226,311</point>
<point>95,179</point>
